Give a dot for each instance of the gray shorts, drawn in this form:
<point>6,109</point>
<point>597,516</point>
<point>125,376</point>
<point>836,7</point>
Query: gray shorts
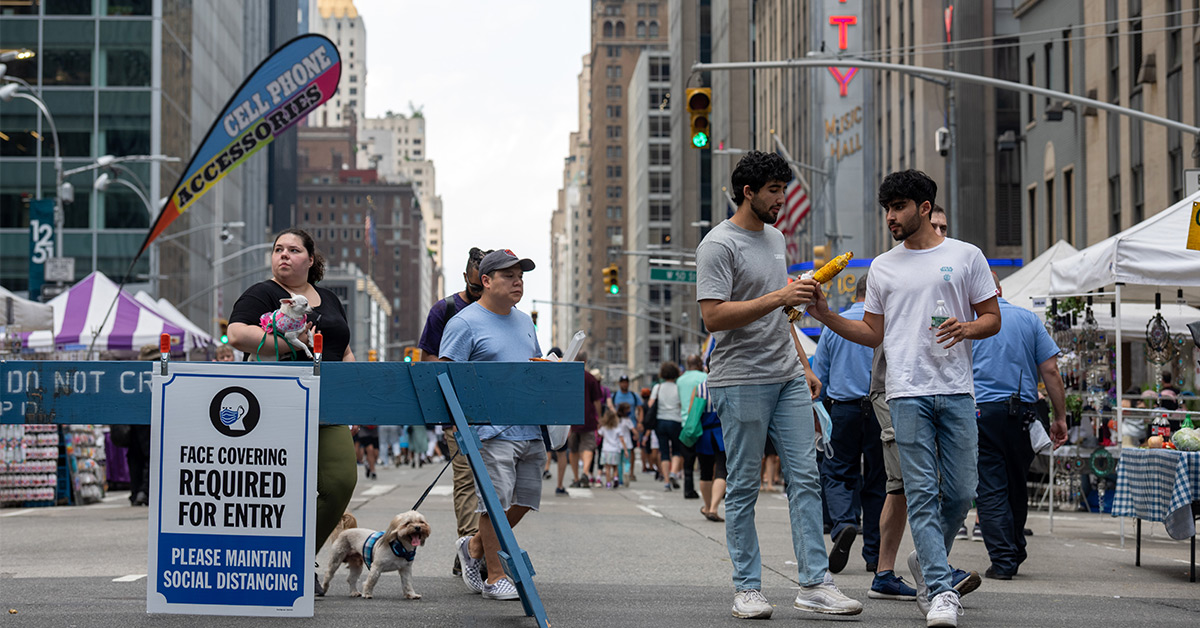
<point>891,455</point>
<point>515,467</point>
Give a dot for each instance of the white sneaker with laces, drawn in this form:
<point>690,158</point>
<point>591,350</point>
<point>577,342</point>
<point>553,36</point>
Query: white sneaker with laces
<point>914,567</point>
<point>944,610</point>
<point>750,604</point>
<point>826,598</point>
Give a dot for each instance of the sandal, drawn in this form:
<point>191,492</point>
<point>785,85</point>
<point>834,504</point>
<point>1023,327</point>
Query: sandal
<point>712,516</point>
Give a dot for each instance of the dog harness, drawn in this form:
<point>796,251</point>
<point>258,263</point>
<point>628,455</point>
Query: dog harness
<point>368,549</point>
<point>282,323</point>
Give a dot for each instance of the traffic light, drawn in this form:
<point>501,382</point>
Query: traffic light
<point>612,279</point>
<point>820,256</point>
<point>412,354</point>
<point>533,315</point>
<point>699,105</point>
<point>224,335</point>
<point>372,355</point>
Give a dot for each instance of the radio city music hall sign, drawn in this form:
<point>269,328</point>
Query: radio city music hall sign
<point>837,128</point>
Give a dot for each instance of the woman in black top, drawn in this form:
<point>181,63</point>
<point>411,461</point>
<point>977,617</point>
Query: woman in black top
<point>296,267</point>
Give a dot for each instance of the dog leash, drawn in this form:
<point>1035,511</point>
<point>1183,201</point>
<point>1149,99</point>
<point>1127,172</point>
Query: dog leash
<point>277,335</point>
<point>447,465</point>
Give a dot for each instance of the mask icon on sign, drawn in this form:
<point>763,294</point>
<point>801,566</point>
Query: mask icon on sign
<point>232,417</point>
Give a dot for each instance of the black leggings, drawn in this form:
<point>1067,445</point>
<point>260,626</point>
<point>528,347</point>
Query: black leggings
<point>712,466</point>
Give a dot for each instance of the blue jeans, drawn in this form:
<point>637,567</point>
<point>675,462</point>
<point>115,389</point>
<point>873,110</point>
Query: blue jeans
<point>856,445</point>
<point>938,442</point>
<point>749,415</point>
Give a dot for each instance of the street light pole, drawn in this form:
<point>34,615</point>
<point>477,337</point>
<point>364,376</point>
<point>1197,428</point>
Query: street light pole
<point>8,92</point>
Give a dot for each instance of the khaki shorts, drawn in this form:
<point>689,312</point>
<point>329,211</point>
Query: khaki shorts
<point>581,441</point>
<point>891,455</point>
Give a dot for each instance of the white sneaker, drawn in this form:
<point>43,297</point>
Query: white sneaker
<point>914,568</point>
<point>750,604</point>
<point>503,589</point>
<point>470,566</point>
<point>826,598</point>
<point>944,610</point>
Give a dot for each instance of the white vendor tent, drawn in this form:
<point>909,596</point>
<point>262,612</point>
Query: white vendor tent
<point>79,311</point>
<point>1151,253</point>
<point>1033,279</point>
<point>196,338</point>
<point>23,314</point>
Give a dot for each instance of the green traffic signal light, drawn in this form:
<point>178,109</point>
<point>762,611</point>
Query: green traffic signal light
<point>408,358</point>
<point>224,339</point>
<point>700,139</point>
<point>614,289</point>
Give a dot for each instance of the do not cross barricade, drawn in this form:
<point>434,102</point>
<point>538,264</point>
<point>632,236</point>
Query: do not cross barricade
<point>372,393</point>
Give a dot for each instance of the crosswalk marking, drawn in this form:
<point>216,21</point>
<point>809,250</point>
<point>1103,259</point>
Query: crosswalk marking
<point>378,489</point>
<point>650,510</point>
<point>133,577</point>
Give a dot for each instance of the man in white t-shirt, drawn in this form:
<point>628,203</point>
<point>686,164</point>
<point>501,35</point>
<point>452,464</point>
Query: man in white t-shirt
<point>930,396</point>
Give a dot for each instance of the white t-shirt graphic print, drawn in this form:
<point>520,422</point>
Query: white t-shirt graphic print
<point>905,286</point>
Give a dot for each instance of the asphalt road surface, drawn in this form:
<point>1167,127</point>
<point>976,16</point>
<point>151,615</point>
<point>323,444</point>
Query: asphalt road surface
<point>631,557</point>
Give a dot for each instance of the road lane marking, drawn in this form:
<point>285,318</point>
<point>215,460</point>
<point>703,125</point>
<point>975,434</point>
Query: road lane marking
<point>133,577</point>
<point>18,512</point>
<point>583,493</point>
<point>378,489</point>
<point>650,511</point>
<point>442,490</point>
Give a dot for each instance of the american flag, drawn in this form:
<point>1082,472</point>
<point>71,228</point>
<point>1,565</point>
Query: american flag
<point>371,233</point>
<point>795,208</point>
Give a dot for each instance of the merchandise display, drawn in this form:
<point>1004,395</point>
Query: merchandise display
<point>28,472</point>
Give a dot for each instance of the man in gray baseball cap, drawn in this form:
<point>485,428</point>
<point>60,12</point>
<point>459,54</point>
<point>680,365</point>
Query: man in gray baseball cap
<point>503,258</point>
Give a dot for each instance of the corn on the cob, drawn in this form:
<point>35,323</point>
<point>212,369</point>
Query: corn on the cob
<point>826,272</point>
<point>835,266</point>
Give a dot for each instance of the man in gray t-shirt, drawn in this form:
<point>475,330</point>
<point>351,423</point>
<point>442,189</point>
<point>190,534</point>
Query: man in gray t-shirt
<point>757,382</point>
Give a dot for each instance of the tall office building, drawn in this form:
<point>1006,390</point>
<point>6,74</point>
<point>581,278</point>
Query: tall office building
<point>340,22</point>
<point>132,77</point>
<point>395,146</point>
<point>621,32</point>
<point>570,228</point>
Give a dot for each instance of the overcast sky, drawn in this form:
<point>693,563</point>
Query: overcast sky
<point>498,85</point>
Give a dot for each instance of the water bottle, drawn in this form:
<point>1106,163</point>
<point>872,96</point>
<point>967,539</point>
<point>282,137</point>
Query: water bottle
<point>939,316</point>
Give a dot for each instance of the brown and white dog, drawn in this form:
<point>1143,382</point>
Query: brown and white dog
<point>392,549</point>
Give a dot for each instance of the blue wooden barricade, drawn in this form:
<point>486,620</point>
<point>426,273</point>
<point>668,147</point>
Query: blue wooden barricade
<point>361,393</point>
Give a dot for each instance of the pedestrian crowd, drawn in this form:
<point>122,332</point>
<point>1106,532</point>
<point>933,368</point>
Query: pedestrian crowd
<point>918,401</point>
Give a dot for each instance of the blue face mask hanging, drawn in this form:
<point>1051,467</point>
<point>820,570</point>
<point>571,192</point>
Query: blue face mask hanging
<point>823,439</point>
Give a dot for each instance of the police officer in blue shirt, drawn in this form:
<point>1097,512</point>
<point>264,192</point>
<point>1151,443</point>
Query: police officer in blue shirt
<point>1006,369</point>
<point>844,369</point>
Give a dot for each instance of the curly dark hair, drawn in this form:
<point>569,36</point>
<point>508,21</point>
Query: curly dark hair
<point>668,372</point>
<point>316,272</point>
<point>756,169</point>
<point>907,185</point>
<point>475,257</point>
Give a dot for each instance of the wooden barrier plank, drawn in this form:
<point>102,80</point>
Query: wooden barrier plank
<point>370,393</point>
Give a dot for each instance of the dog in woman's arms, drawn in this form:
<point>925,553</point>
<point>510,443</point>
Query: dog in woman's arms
<point>393,549</point>
<point>289,321</point>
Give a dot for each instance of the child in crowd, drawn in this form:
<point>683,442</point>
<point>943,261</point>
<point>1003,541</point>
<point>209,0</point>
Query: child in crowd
<point>614,441</point>
<point>628,430</point>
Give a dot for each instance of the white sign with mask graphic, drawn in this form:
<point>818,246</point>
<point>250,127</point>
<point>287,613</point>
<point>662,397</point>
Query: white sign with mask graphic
<point>233,490</point>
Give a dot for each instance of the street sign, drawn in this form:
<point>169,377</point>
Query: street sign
<point>1191,181</point>
<point>233,490</point>
<point>671,275</point>
<point>60,269</point>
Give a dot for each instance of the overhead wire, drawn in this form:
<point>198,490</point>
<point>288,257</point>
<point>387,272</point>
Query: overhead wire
<point>957,46</point>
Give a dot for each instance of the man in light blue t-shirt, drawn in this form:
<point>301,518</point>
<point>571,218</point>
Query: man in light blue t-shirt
<point>493,330</point>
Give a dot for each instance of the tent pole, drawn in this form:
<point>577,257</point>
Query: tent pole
<point>1120,393</point>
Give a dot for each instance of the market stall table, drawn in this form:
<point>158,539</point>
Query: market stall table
<point>1160,485</point>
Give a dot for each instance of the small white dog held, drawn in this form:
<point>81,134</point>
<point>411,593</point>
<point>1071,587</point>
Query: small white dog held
<point>289,321</point>
<point>391,550</point>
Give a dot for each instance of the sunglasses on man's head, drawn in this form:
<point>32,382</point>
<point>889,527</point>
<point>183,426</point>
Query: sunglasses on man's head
<point>474,287</point>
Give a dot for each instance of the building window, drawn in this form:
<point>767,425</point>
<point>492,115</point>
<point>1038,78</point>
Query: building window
<point>613,191</point>
<point>608,29</point>
<point>613,111</point>
<point>612,91</point>
<point>613,71</point>
<point>1031,203</point>
<point>1030,79</point>
<point>1047,54</point>
<point>1069,205</point>
<point>660,183</point>
<point>660,211</point>
<point>1114,204</point>
<point>653,30</point>
<point>613,212</point>
<point>1137,151</point>
<point>641,30</point>
<point>660,154</point>
<point>619,30</point>
<point>614,152</point>
<point>1135,44</point>
<point>1112,50</point>
<point>1051,215</point>
<point>615,237</point>
<point>613,132</point>
<point>612,172</point>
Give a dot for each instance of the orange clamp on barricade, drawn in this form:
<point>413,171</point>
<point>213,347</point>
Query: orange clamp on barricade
<point>318,349</point>
<point>164,347</point>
